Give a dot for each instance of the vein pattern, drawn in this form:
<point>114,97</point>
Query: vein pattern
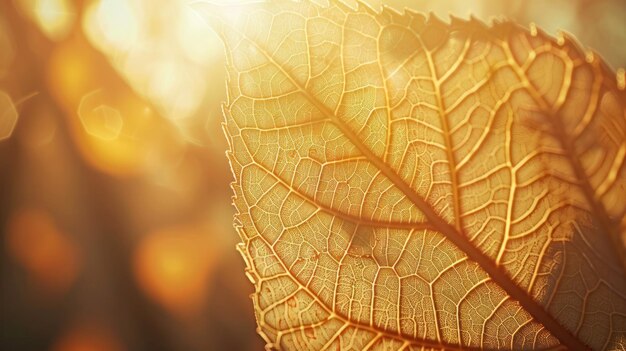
<point>403,183</point>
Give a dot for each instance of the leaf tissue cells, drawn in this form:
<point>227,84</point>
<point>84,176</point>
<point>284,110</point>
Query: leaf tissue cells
<point>404,183</point>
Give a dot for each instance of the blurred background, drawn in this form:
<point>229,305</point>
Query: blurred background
<point>115,213</point>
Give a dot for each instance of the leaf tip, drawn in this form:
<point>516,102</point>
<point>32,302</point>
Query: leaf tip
<point>339,4</point>
<point>500,25</point>
<point>473,19</point>
<point>392,12</point>
<point>560,38</point>
<point>454,20</point>
<point>434,19</point>
<point>409,12</point>
<point>367,8</point>
<point>573,44</point>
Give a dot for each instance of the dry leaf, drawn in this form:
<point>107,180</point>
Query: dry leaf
<point>404,183</point>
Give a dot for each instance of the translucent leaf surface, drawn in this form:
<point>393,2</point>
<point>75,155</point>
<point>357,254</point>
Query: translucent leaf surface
<point>405,183</point>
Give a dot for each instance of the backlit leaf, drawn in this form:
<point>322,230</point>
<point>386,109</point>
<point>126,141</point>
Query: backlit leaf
<point>406,183</point>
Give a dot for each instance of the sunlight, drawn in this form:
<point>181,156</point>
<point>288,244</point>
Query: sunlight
<point>55,17</point>
<point>115,23</point>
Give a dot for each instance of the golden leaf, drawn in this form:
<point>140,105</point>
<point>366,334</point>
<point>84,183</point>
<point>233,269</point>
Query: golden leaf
<point>404,183</point>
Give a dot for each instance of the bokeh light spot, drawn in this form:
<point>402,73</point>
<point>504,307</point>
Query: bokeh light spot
<point>101,121</point>
<point>87,338</point>
<point>113,21</point>
<point>175,84</point>
<point>55,18</point>
<point>172,267</point>
<point>193,30</point>
<point>47,254</point>
<point>160,56</point>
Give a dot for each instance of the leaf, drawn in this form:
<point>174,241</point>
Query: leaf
<point>404,183</point>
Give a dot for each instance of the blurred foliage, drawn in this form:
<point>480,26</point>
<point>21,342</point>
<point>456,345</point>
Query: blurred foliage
<point>115,201</point>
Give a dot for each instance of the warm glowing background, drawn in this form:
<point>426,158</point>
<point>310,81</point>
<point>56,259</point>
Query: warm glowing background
<point>115,206</point>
